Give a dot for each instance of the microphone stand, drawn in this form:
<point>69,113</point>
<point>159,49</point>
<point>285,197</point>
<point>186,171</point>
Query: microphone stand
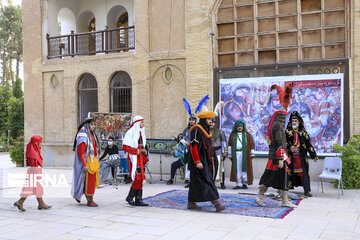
<point>160,179</point>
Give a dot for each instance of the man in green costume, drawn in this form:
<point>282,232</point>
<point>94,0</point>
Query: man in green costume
<point>241,147</point>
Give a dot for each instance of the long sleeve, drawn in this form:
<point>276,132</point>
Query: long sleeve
<point>129,149</point>
<point>81,152</point>
<point>105,153</point>
<point>115,150</point>
<point>179,150</point>
<point>195,153</point>
<point>289,139</point>
<point>310,147</point>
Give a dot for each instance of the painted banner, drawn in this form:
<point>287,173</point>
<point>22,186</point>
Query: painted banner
<point>117,124</point>
<point>161,146</point>
<point>318,98</point>
<point>112,124</point>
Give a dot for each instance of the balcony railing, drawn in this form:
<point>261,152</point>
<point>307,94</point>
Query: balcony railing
<point>91,43</point>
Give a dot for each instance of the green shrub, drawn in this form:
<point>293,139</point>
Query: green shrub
<point>4,144</point>
<point>350,162</point>
<point>17,151</point>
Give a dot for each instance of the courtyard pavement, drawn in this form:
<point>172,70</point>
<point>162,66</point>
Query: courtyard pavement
<point>322,217</point>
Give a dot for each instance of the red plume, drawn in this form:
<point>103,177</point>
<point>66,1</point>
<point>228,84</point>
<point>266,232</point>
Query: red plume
<point>284,96</point>
<point>287,97</point>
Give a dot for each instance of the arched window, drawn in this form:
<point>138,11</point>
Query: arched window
<point>123,20</point>
<point>120,93</point>
<point>88,99</point>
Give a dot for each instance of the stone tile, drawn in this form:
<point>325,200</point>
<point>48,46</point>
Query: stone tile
<point>104,216</point>
<point>154,221</point>
<point>15,234</point>
<point>324,217</point>
<point>247,230</point>
<point>142,237</point>
<point>84,222</point>
<point>357,226</point>
<point>209,235</point>
<point>270,232</point>
<point>115,226</point>
<point>9,228</point>
<point>143,229</point>
<point>342,224</point>
<point>8,221</point>
<point>50,217</point>
<point>100,233</point>
<point>51,232</point>
<point>185,231</point>
<point>335,235</point>
<point>67,236</point>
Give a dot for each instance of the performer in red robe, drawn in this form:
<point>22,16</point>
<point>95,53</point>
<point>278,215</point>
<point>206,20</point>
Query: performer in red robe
<point>135,145</point>
<point>35,161</point>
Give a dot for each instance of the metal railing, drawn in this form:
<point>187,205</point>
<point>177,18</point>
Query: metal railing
<point>91,43</point>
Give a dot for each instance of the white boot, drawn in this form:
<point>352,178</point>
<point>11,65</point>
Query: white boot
<point>285,200</point>
<point>259,198</point>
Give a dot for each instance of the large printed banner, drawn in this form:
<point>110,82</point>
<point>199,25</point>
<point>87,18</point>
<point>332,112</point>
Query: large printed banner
<point>112,124</point>
<point>318,98</point>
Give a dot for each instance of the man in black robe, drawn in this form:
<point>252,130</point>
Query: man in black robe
<point>298,144</point>
<point>203,165</point>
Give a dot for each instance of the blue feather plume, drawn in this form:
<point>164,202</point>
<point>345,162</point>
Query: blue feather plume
<point>202,103</point>
<point>187,106</point>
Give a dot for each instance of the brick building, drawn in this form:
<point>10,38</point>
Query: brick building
<point>144,56</point>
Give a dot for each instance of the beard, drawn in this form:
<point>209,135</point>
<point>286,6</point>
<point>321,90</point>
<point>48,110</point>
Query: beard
<point>295,126</point>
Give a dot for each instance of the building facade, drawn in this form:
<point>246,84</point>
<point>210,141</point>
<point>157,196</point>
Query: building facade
<point>144,56</point>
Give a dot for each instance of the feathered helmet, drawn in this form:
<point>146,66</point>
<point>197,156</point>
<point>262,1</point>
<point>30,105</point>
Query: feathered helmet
<point>200,108</point>
<point>284,96</point>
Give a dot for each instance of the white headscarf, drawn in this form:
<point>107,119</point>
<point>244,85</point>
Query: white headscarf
<point>131,139</point>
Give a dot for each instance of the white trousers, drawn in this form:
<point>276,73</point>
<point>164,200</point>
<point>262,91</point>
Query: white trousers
<point>241,176</point>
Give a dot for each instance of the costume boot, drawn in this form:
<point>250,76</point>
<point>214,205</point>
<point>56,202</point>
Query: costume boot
<point>285,200</point>
<point>138,199</point>
<point>218,205</point>
<point>193,205</point>
<point>131,196</point>
<point>19,204</point>
<point>259,198</point>
<point>42,205</point>
<point>90,201</point>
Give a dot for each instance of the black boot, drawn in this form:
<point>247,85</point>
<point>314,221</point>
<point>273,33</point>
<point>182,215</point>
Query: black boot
<point>127,179</point>
<point>131,195</point>
<point>138,199</point>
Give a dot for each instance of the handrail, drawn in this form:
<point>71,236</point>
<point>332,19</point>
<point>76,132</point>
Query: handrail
<point>90,43</point>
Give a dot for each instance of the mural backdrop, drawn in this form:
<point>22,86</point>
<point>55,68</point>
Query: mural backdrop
<point>318,98</point>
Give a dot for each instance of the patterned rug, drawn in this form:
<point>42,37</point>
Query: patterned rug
<point>241,204</point>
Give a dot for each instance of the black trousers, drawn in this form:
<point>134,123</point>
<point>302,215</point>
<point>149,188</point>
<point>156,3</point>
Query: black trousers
<point>175,165</point>
<point>306,181</point>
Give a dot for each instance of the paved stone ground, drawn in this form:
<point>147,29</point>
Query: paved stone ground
<point>323,217</point>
